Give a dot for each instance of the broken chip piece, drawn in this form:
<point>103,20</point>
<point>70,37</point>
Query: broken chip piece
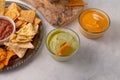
<point>73,3</point>
<point>36,21</point>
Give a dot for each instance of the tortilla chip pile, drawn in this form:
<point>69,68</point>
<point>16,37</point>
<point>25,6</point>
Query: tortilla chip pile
<point>27,25</point>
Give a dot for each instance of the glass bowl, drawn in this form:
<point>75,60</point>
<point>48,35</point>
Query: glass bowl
<point>13,25</point>
<point>56,32</point>
<point>90,34</point>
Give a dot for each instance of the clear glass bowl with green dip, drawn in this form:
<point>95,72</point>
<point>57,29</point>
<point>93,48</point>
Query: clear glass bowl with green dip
<point>62,43</point>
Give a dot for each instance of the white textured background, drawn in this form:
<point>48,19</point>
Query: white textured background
<point>96,59</point>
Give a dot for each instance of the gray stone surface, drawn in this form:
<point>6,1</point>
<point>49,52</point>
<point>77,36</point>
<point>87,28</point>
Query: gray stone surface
<point>96,59</point>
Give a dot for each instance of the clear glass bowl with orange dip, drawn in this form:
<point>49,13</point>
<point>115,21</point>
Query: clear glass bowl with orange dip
<point>94,23</point>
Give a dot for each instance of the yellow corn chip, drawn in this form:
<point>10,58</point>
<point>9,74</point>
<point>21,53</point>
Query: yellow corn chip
<point>1,65</point>
<point>22,39</point>
<point>12,37</point>
<point>2,54</point>
<point>36,21</point>
<point>27,30</point>
<point>13,11</point>
<point>25,45</point>
<point>28,15</point>
<point>21,45</point>
<point>13,14</point>
<point>6,9</point>
<point>20,18</point>
<point>20,52</point>
<point>2,7</point>
<point>14,6</point>
<point>18,23</point>
<point>36,28</point>
<point>15,38</point>
<point>9,55</point>
<point>24,23</point>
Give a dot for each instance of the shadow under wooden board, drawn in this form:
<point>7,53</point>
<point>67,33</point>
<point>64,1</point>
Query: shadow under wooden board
<point>37,42</point>
<point>57,14</point>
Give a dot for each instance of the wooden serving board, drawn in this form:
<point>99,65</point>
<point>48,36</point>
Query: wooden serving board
<point>57,14</point>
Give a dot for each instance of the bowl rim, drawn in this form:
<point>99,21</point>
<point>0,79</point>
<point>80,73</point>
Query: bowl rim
<point>13,25</point>
<point>99,10</point>
<point>63,29</point>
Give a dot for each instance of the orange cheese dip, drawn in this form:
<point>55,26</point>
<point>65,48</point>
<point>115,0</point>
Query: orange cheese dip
<point>94,20</point>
